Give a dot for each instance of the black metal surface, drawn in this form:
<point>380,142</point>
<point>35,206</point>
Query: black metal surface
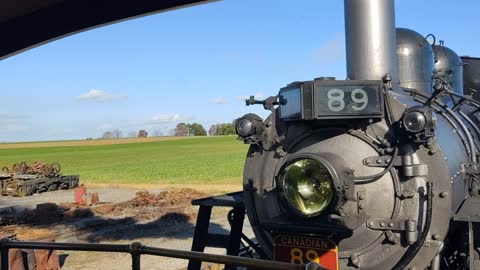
<point>62,18</point>
<point>468,211</point>
<point>200,235</point>
<point>4,259</point>
<point>135,262</point>
<point>6,243</point>
<point>234,199</point>
<point>471,76</point>
<point>136,249</point>
<point>203,238</point>
<point>328,231</point>
<point>235,237</point>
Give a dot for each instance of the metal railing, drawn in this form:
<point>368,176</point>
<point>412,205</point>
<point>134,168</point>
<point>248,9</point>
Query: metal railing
<point>137,249</point>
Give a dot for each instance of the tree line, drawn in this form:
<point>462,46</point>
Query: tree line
<point>181,129</point>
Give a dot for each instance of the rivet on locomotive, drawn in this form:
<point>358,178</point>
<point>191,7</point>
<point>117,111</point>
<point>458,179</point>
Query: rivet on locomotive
<point>378,171</point>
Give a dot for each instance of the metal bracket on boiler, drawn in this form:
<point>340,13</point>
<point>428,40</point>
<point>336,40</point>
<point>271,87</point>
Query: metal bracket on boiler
<point>410,168</point>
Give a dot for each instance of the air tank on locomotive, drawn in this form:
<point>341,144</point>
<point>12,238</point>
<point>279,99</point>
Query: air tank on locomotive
<point>415,60</point>
<point>449,67</point>
<point>374,168</point>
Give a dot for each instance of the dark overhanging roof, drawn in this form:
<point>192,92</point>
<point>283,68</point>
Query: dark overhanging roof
<point>29,23</point>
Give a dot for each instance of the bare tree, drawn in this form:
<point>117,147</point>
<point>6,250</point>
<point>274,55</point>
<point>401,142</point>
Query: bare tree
<point>132,134</point>
<point>213,130</point>
<point>117,134</point>
<point>157,133</point>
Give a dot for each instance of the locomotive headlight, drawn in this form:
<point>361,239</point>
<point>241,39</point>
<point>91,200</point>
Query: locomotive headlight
<point>307,186</point>
<point>249,125</point>
<point>415,121</point>
<point>420,121</point>
<point>244,127</point>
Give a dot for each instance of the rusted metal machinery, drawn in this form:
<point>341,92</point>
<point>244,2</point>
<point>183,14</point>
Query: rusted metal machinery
<point>23,179</point>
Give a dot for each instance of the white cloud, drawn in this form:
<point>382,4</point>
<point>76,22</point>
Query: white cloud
<point>166,118</point>
<point>219,101</point>
<point>331,51</point>
<point>159,119</point>
<point>100,96</point>
<point>257,96</point>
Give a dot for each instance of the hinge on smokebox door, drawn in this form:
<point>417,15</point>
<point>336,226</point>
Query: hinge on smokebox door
<point>409,227</point>
<point>409,167</point>
<point>471,174</point>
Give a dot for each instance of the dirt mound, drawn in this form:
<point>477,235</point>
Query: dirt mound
<point>148,206</point>
<point>165,198</point>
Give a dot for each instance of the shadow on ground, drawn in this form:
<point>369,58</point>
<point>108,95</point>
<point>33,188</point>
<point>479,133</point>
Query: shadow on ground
<point>84,224</point>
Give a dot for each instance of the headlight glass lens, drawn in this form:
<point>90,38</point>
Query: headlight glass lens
<point>415,122</point>
<point>308,186</point>
<point>244,127</point>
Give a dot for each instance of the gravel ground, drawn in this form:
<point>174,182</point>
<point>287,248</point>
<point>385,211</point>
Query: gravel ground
<point>178,236</point>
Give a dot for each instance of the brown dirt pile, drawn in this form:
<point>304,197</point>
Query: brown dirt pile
<point>148,206</point>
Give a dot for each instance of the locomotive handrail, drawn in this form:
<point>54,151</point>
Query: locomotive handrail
<point>137,249</point>
<point>466,97</point>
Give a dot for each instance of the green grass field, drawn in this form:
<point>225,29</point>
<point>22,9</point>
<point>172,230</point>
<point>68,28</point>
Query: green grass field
<point>186,161</point>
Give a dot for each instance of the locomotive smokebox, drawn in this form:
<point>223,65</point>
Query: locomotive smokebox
<point>370,39</point>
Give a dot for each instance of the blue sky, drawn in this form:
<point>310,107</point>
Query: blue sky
<point>193,65</point>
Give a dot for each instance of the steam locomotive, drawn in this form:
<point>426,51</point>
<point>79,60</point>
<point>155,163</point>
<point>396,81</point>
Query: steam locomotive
<point>378,171</point>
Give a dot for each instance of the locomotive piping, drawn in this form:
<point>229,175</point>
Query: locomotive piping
<point>413,250</point>
<point>452,123</point>
<point>473,154</point>
<point>433,37</point>
<point>474,126</point>
<point>370,178</point>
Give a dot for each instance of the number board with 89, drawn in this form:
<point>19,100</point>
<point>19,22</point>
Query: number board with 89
<point>348,101</point>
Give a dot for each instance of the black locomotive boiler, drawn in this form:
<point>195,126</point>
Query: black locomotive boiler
<point>378,171</point>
